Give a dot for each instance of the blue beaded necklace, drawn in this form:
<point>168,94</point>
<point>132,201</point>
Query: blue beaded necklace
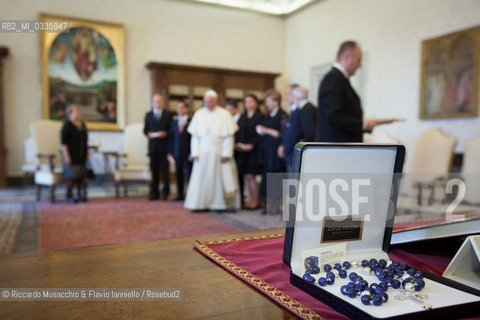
<point>390,274</point>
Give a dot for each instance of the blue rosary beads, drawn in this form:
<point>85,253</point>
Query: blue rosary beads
<point>311,266</point>
<point>390,274</point>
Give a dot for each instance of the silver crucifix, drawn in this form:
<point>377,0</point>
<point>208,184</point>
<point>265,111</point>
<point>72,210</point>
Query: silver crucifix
<point>415,297</point>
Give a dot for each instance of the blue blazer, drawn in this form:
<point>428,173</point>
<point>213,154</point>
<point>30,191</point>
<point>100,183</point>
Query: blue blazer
<point>300,126</point>
<point>180,142</point>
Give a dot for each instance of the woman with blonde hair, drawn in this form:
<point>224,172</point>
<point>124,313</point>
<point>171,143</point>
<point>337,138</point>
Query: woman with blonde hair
<point>74,139</point>
<point>270,131</point>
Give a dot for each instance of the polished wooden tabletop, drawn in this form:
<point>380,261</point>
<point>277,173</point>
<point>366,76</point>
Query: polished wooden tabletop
<point>209,292</point>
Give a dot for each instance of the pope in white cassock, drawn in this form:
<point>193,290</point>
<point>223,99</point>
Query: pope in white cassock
<point>214,181</point>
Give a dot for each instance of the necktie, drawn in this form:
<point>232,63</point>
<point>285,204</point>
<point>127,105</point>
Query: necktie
<point>181,124</point>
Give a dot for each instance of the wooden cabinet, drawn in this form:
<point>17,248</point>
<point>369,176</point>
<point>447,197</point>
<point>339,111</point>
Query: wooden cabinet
<point>176,82</point>
<point>3,151</point>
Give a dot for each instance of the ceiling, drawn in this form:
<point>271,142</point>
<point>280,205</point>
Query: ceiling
<point>275,7</point>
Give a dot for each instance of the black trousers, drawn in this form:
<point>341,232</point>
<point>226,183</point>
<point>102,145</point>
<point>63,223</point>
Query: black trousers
<point>82,185</point>
<point>159,164</point>
<point>241,183</point>
<point>183,168</point>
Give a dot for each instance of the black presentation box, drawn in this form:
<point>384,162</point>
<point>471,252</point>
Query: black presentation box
<point>345,200</point>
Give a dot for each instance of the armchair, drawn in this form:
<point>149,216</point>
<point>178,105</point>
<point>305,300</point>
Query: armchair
<point>30,154</point>
<point>135,165</point>
<point>46,136</point>
<point>380,136</point>
<point>428,161</point>
<point>471,170</point>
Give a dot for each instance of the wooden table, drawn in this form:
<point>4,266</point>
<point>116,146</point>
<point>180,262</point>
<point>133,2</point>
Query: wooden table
<point>209,292</point>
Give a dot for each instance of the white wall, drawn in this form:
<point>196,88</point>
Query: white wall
<point>390,33</point>
<point>156,30</point>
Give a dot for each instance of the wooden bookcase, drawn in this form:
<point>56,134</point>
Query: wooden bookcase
<point>175,82</point>
<point>3,151</point>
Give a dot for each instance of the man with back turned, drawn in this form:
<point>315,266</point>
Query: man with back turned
<point>339,114</point>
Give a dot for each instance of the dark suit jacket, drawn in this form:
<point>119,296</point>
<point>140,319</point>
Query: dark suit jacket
<point>340,115</point>
<point>246,128</point>
<point>157,145</point>
<point>308,115</point>
<point>300,126</point>
<point>180,142</point>
<point>240,123</point>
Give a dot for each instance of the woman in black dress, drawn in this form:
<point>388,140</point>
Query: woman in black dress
<point>248,149</point>
<point>74,139</point>
<point>270,131</point>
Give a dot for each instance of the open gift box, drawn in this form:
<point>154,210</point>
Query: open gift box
<point>344,205</point>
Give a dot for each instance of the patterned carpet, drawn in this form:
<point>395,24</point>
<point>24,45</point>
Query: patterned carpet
<point>106,221</point>
<point>10,220</point>
<point>28,225</point>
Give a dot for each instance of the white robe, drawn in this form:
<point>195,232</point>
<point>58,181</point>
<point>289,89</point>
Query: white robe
<point>213,185</point>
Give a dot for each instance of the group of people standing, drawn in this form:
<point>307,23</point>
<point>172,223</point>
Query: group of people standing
<point>168,141</point>
<point>228,148</point>
<point>220,151</point>
<point>265,140</point>
<point>256,143</point>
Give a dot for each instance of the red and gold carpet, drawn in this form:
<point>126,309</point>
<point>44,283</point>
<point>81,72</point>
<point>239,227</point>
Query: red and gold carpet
<point>29,225</point>
<point>106,221</point>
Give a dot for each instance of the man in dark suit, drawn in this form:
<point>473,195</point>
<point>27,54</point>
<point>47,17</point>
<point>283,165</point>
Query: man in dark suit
<point>300,125</point>
<point>179,148</point>
<point>339,114</point>
<point>157,127</point>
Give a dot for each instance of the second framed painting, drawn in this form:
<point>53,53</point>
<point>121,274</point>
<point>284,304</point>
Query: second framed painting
<point>84,66</point>
<point>450,73</point>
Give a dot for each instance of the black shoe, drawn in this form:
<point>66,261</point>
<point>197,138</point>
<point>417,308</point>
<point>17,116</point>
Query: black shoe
<point>179,199</point>
<point>227,210</point>
<point>154,197</point>
<point>200,210</point>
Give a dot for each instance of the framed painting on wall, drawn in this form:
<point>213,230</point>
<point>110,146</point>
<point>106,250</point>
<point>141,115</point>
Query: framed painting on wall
<point>450,73</point>
<point>85,66</point>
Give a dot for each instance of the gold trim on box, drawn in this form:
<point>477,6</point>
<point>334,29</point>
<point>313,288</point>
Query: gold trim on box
<point>264,287</point>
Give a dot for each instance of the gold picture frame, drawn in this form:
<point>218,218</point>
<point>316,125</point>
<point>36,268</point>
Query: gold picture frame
<point>450,73</point>
<point>85,66</point>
